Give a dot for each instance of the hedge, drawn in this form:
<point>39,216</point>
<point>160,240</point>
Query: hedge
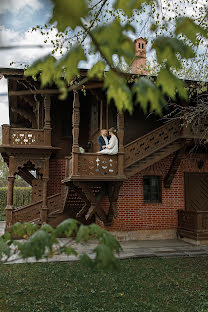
<point>22,197</point>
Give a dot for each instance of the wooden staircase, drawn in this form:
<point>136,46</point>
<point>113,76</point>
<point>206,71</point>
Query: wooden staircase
<point>152,147</point>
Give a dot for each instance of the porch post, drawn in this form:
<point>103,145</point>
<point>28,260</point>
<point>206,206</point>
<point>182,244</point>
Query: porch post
<point>75,133</point>
<point>44,208</point>
<point>47,123</point>
<point>120,127</point>
<point>10,192</point>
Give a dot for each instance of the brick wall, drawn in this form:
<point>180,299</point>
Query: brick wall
<point>56,174</point>
<point>134,214</point>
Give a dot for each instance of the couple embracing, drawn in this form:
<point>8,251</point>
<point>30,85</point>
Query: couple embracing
<point>108,143</point>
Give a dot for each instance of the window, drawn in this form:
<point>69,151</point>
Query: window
<point>139,45</point>
<point>152,189</point>
<point>142,45</point>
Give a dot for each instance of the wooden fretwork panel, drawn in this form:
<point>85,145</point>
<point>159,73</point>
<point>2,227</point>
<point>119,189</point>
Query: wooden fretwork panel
<point>196,191</point>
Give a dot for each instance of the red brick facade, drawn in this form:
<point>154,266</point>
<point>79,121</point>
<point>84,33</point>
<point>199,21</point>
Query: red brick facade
<point>56,174</point>
<point>134,214</point>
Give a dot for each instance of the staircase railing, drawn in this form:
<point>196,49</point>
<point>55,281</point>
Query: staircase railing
<point>31,212</point>
<point>151,142</point>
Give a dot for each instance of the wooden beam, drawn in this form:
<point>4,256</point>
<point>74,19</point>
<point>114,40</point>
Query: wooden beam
<point>174,167</point>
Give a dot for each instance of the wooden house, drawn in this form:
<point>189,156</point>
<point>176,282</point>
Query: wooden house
<point>153,189</point>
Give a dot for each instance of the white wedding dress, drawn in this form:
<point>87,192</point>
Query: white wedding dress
<point>112,147</point>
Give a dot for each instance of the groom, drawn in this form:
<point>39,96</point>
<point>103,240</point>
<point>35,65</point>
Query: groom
<point>103,139</point>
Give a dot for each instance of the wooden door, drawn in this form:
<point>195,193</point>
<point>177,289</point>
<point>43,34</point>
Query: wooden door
<point>196,191</point>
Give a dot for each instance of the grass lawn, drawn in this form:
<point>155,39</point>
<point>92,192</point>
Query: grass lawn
<point>153,284</point>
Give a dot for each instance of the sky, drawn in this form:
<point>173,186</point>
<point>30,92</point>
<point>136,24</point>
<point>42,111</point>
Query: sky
<point>17,17</point>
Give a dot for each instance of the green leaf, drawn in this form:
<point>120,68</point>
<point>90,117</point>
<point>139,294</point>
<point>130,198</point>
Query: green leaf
<point>147,93</point>
<point>97,70</point>
<point>121,45</point>
<point>171,84</point>
<point>70,62</point>
<point>170,50</point>
<point>118,91</point>
<point>83,233</point>
<point>105,257</point>
<point>45,66</point>
<point>129,5</point>
<point>67,13</point>
<point>36,245</point>
<point>67,227</point>
<point>186,26</point>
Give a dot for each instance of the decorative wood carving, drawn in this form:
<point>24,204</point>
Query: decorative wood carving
<point>97,165</point>
<point>151,142</point>
<point>47,105</point>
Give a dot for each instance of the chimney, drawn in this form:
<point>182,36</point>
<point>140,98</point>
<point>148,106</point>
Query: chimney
<point>139,62</point>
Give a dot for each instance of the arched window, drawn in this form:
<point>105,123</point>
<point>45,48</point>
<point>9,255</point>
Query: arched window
<point>139,45</point>
<point>142,45</point>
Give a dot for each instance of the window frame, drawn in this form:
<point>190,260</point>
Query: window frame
<point>151,200</point>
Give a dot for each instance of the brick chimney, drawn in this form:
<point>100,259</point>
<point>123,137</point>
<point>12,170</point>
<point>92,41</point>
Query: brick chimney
<point>139,62</point>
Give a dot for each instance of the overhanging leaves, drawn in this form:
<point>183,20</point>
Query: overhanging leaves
<point>170,84</point>
<point>67,13</point>
<point>118,91</point>
<point>147,93</point>
<point>168,50</point>
<point>186,26</point>
<point>128,6</point>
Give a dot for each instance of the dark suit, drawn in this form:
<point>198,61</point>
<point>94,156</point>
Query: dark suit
<point>101,142</point>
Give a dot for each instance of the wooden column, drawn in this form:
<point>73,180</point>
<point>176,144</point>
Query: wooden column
<point>75,132</point>
<point>120,127</point>
<point>47,123</point>
<point>44,208</point>
<point>10,192</point>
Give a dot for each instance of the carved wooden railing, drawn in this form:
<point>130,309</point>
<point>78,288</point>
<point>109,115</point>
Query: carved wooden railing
<point>90,165</point>
<point>193,222</point>
<point>151,142</point>
<point>25,137</point>
<point>31,212</point>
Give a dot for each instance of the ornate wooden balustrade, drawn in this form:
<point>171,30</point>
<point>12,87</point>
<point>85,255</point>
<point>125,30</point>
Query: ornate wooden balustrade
<point>193,224</point>
<point>22,137</point>
<point>92,167</point>
<point>151,142</point>
<point>31,212</point>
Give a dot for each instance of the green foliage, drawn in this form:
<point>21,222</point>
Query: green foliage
<point>129,6</point>
<point>22,197</point>
<point>68,13</point>
<point>108,27</point>
<point>43,243</point>
<point>118,91</point>
<point>187,27</point>
<point>146,93</point>
<point>97,71</point>
<point>170,50</point>
<point>170,84</point>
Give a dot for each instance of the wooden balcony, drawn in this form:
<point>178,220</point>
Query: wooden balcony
<point>193,224</point>
<point>24,138</point>
<point>94,167</point>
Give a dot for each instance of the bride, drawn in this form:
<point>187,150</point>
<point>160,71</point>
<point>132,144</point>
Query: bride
<point>112,147</point>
